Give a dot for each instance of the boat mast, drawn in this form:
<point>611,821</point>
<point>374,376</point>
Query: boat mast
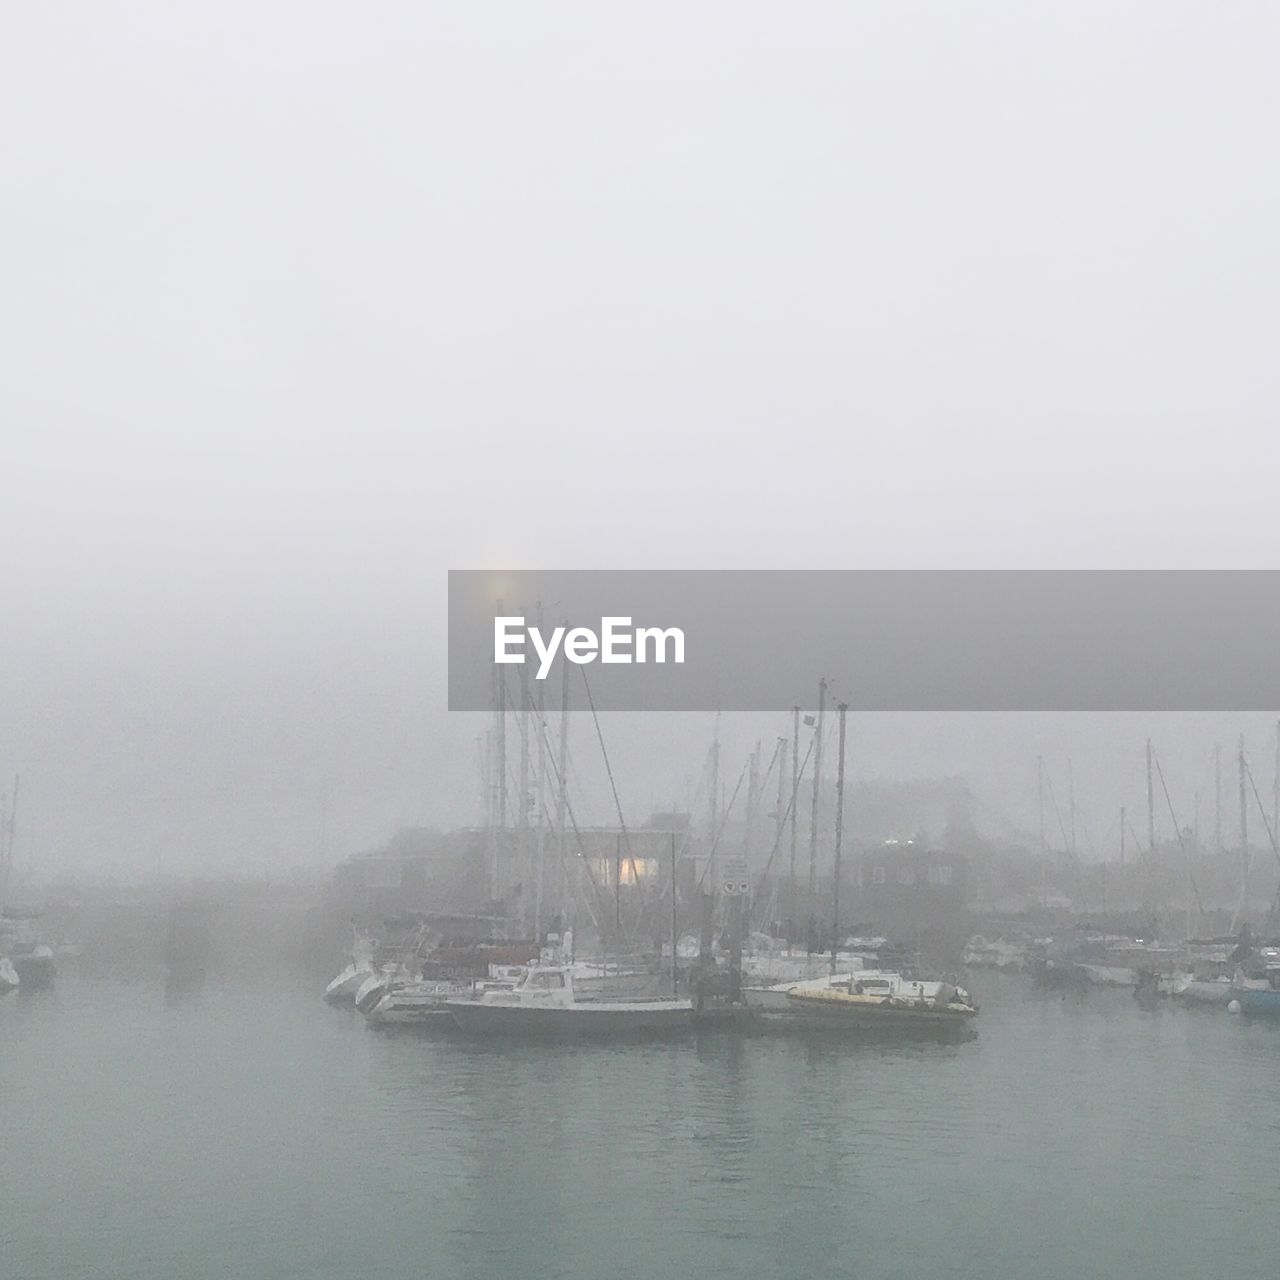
<point>1217,798</point>
<point>795,804</point>
<point>522,818</point>
<point>1071,803</point>
<point>706,896</point>
<point>675,929</point>
<point>813,820</point>
<point>1275,788</point>
<point>842,709</point>
<point>1151,803</point>
<point>1244,829</point>
<point>562,800</point>
<point>1044,848</point>
<point>540,874</point>
<point>713,814</point>
<point>781,814</point>
<point>500,765</point>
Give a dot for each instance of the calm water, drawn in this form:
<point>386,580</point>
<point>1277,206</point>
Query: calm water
<point>258,1133</point>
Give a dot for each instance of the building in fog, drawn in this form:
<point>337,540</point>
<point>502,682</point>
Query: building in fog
<point>911,893</point>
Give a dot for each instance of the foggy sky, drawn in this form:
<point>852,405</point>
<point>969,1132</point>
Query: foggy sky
<point>302,305</point>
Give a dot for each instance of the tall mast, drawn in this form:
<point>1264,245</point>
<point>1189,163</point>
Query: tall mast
<point>1071,802</point>
<point>713,814</point>
<point>1044,847</point>
<point>813,821</point>
<point>1217,798</point>
<point>1275,789</point>
<point>540,874</point>
<point>562,797</point>
<point>500,770</point>
<point>781,815</point>
<point>497,776</point>
<point>675,922</point>
<point>835,904</point>
<point>1244,829</point>
<point>1151,803</point>
<point>795,806</point>
<point>1122,821</point>
<point>522,819</point>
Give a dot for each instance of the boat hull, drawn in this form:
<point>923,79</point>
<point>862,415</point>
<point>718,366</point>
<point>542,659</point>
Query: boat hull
<point>342,990</point>
<point>35,969</point>
<point>592,1020</point>
<point>826,1014</point>
<point>1258,1003</point>
<point>414,1006</point>
<point>1202,991</point>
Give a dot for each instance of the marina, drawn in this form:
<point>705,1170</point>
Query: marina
<point>377,1152</point>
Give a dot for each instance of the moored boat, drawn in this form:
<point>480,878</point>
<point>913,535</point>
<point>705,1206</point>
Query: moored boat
<point>997,953</point>
<point>343,988</point>
<point>545,1004</point>
<point>33,963</point>
<point>866,998</point>
<point>409,1003</point>
<point>9,979</point>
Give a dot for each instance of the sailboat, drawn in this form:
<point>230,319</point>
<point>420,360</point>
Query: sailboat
<point>863,998</point>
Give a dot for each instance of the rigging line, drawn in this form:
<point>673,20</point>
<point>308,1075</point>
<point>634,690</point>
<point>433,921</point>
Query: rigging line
<point>1137,844</point>
<point>1177,830</point>
<point>724,818</point>
<point>762,786</point>
<point>613,786</point>
<point>777,839</point>
<point>1266,822</point>
<point>584,857</point>
<point>1106,835</point>
<point>1200,791</point>
<point>1066,843</point>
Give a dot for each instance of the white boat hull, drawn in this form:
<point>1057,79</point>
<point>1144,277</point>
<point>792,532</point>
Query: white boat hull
<point>1202,991</point>
<point>342,990</point>
<point>597,1018</point>
<point>841,1002</point>
<point>414,1004</point>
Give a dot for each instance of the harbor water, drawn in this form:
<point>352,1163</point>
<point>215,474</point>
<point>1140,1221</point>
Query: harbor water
<point>253,1131</point>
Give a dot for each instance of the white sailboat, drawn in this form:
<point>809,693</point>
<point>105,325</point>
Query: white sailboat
<point>862,998</point>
